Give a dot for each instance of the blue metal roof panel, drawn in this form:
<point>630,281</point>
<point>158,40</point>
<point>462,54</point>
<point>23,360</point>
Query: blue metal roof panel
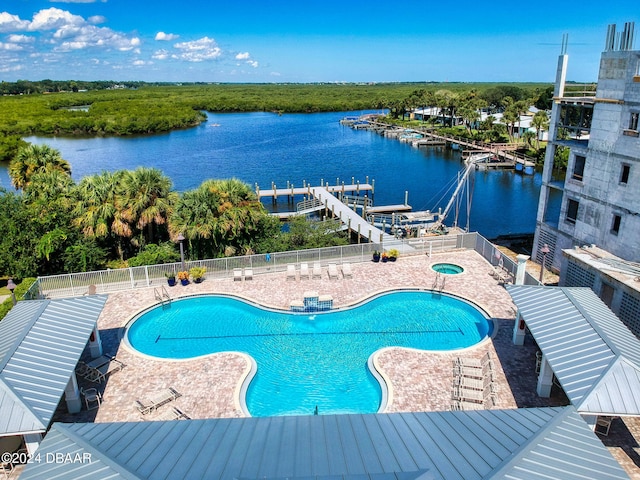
<point>43,354</point>
<point>582,346</point>
<point>554,438</point>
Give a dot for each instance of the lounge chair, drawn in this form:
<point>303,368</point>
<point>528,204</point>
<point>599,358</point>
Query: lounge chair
<point>475,362</point>
<point>291,271</point>
<point>473,383</point>
<point>237,274</point>
<point>101,373</point>
<point>462,405</point>
<point>333,271</point>
<point>159,399</point>
<point>346,270</point>
<point>317,270</point>
<point>169,414</point>
<point>83,368</point>
<point>304,271</point>
<point>248,274</point>
<point>472,395</point>
<point>479,372</point>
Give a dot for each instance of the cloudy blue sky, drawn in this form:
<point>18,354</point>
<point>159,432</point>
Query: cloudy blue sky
<point>303,41</point>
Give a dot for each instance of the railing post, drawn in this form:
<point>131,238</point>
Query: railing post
<point>146,274</point>
<point>133,283</point>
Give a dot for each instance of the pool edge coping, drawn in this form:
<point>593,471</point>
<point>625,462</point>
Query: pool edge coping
<point>244,380</point>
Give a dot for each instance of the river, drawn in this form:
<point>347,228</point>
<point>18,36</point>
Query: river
<point>265,147</point>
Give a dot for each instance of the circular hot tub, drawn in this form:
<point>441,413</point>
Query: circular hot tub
<point>447,268</point>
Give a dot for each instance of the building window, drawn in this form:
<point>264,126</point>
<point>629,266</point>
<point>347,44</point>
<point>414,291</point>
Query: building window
<point>578,167</point>
<point>624,173</point>
<point>615,224</point>
<point>633,121</point>
<point>572,211</point>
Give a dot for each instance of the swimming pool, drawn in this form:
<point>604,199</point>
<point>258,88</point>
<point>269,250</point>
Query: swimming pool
<point>309,360</point>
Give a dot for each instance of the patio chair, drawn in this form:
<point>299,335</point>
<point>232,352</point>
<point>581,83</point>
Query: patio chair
<point>346,270</point>
<point>603,424</point>
<point>304,271</point>
<point>169,414</point>
<point>248,274</point>
<point>237,274</point>
<point>101,373</point>
<point>317,270</point>
<point>92,398</point>
<point>291,271</point>
<point>159,399</point>
<point>333,271</point>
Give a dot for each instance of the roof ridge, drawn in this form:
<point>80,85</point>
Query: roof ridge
<point>599,330</point>
<point>65,429</point>
<point>603,380</point>
<point>501,470</point>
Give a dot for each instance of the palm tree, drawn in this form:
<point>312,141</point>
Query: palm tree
<point>96,211</point>
<point>510,117</point>
<point>541,122</point>
<point>145,200</point>
<point>217,215</point>
<point>34,159</point>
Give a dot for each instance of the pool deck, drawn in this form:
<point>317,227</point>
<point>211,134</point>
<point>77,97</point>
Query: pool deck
<point>420,381</point>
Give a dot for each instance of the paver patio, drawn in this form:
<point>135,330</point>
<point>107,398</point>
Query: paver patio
<point>420,381</point>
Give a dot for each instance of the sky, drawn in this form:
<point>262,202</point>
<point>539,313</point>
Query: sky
<point>304,41</point>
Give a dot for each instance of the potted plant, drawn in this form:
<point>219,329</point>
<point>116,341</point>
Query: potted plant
<point>183,277</point>
<point>171,278</point>
<point>393,254</point>
<point>384,257</point>
<point>376,256</point>
<point>197,273</point>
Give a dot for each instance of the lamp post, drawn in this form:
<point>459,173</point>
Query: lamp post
<point>181,240</point>
<point>544,250</point>
<point>12,286</point>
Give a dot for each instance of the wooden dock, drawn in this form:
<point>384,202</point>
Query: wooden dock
<point>308,190</point>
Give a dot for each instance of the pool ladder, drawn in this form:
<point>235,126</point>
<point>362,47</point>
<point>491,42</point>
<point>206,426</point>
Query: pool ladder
<point>438,283</point>
<point>162,296</point>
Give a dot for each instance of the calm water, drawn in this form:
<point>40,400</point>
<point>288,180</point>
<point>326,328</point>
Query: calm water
<point>266,147</point>
<point>309,360</point>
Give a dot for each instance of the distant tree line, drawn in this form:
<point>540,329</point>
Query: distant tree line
<point>142,108</point>
<point>121,218</point>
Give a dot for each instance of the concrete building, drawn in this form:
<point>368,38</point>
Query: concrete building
<point>599,199</point>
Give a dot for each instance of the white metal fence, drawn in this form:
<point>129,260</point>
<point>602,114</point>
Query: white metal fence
<point>106,281</point>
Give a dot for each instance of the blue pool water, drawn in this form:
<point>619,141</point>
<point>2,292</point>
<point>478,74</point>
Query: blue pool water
<point>306,360</point>
<point>448,268</point>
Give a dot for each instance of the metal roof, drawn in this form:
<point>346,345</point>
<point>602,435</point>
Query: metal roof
<point>40,344</point>
<point>531,443</point>
<point>594,356</point>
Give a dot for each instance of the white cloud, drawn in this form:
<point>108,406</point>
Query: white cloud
<point>54,18</point>
<point>15,38</point>
<point>160,54</point>
<point>253,63</point>
<point>77,1</point>
<point>242,56</point>
<point>198,50</point>
<point>11,47</point>
<point>141,63</point>
<point>166,36</point>
<point>12,23</point>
